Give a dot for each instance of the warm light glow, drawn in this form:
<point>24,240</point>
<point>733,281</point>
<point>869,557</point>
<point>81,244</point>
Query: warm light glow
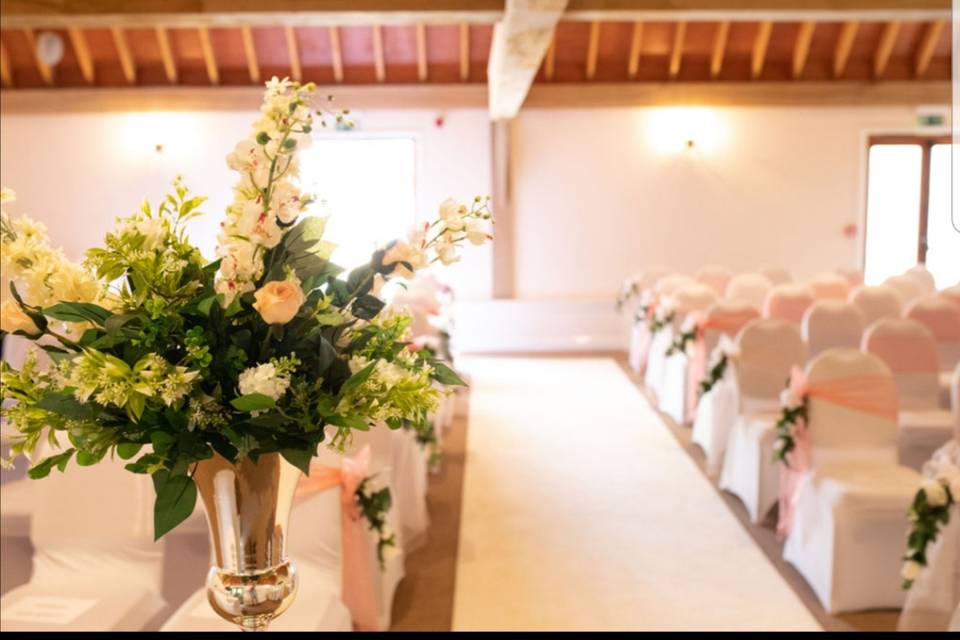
<point>166,136</point>
<point>675,130</point>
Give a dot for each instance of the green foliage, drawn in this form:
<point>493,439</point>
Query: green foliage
<point>927,521</point>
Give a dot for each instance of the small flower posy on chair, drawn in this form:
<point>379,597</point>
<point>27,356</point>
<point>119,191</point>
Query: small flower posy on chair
<point>164,359</point>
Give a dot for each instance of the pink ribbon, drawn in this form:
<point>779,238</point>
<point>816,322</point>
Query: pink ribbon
<point>359,592</point>
<point>872,394</point>
<point>728,324</point>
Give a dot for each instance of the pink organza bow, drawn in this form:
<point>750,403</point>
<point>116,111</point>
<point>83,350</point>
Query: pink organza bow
<point>728,324</point>
<point>359,591</point>
<point>872,394</point>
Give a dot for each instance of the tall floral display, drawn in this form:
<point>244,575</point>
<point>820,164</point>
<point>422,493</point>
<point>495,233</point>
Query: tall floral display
<point>188,368</point>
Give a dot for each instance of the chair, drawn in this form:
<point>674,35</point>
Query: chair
<point>829,324</point>
<point>684,371</point>
<point>714,277</point>
<point>942,317</point>
<point>951,295</point>
<point>830,286</point>
<point>769,349</point>
<point>96,566</point>
<point>751,288</point>
<point>853,276</point>
<point>639,331</point>
<point>907,287</point>
<point>788,302</point>
<point>908,348</point>
<point>777,275</point>
<point>923,277</point>
<point>847,537</point>
<point>876,302</point>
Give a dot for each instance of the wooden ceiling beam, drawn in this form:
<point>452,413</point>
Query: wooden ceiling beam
<point>82,52</point>
<point>293,53</point>
<point>379,66</point>
<point>676,53</point>
<point>520,42</point>
<point>46,72</point>
<point>884,48</point>
<point>250,53</point>
<point>209,60</point>
<point>464,51</point>
<point>848,33</point>
<point>928,44</point>
<point>123,54</point>
<point>422,70</point>
<point>6,76</point>
<point>336,54</point>
<point>801,48</point>
<point>760,44</point>
<point>550,60</point>
<point>636,45</point>
<point>593,49</point>
<point>719,48</point>
<point>166,55</point>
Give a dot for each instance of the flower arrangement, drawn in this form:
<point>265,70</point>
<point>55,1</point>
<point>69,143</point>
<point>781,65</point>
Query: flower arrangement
<point>659,314</point>
<point>725,352</point>
<point>689,333</point>
<point>935,499</point>
<point>793,416</point>
<point>629,289</point>
<point>165,359</point>
<point>374,505</point>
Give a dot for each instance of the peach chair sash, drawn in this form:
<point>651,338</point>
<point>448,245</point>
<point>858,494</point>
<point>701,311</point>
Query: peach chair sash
<point>942,318</point>
<point>359,592</point>
<point>871,394</point>
<point>787,303</point>
<point>904,353</point>
<point>830,285</point>
<point>727,323</point>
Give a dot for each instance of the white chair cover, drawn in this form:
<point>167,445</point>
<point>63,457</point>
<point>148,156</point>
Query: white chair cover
<point>715,277</point>
<point>777,275</point>
<point>751,288</point>
<point>768,350</point>
<point>875,303</point>
<point>830,324</point>
<point>848,532</point>
<point>923,278</point>
<point>788,302</point>
<point>942,318</point>
<point>907,287</point>
<point>951,295</point>
<point>853,276</point>
<point>830,286</point>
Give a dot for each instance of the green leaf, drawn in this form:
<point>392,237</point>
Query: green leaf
<point>66,405</point>
<point>78,312</point>
<point>349,421</point>
<point>176,498</point>
<point>86,458</point>
<point>360,280</point>
<point>161,441</point>
<point>358,378</point>
<point>300,458</point>
<point>366,307</point>
<point>128,449</point>
<point>253,402</point>
<point>43,468</point>
<point>445,375</point>
<point>204,305</point>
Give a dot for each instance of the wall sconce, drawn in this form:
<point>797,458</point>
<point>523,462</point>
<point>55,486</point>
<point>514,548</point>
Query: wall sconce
<point>674,130</point>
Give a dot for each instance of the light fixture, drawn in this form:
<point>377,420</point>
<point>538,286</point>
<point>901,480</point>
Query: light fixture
<point>673,130</point>
<point>49,48</point>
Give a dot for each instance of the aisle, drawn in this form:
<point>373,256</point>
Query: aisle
<point>580,511</point>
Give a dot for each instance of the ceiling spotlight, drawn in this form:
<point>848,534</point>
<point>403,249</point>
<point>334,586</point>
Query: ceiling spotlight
<point>49,48</point>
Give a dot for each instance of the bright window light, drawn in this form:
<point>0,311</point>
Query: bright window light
<point>893,196</point>
<point>943,225</point>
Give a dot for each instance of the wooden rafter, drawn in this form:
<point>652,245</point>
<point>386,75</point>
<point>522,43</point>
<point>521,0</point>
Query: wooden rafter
<point>336,56</point>
<point>421,31</point>
<point>636,44</point>
<point>166,55</point>
<point>82,52</point>
<point>123,53</point>
<point>6,76</point>
<point>719,48</point>
<point>379,66</point>
<point>250,53</point>
<point>801,48</point>
<point>293,53</point>
<point>885,47</point>
<point>760,45</point>
<point>844,46</point>
<point>927,45</point>
<point>676,53</point>
<point>593,48</point>
<point>550,60</point>
<point>464,51</point>
<point>209,61</point>
<point>46,72</point>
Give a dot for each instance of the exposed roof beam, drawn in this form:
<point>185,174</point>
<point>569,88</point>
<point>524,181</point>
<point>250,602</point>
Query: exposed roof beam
<point>801,48</point>
<point>636,44</point>
<point>166,55</point>
<point>336,57</point>
<point>719,47</point>
<point>844,46</point>
<point>209,61</point>
<point>756,10</point>
<point>593,48</point>
<point>464,51</point>
<point>250,53</point>
<point>676,54</point>
<point>46,72</point>
<point>379,67</point>
<point>760,44</point>
<point>123,53</point>
<point>421,31</point>
<point>520,42</point>
<point>6,77</point>
<point>293,53</point>
<point>80,49</point>
<point>549,62</point>
<point>927,45</point>
<point>884,48</point>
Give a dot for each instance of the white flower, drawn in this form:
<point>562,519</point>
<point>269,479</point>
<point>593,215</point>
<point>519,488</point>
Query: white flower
<point>285,202</point>
<point>689,324</point>
<point>476,234</point>
<point>729,348</point>
<point>446,251</point>
<point>7,195</point>
<point>153,231</point>
<point>911,570</point>
<point>263,379</point>
<point>935,492</point>
<point>452,213</point>
<point>789,400</point>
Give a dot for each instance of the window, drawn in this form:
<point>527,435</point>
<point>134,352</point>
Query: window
<point>366,185</point>
<point>909,214</point>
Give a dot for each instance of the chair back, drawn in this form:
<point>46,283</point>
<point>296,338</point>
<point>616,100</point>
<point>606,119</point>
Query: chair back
<point>715,277</point>
<point>830,286</point>
<point>830,324</point>
<point>942,318</point>
<point>668,284</point>
<point>788,302</point>
<point>951,295</point>
<point>751,288</point>
<point>923,277</point>
<point>768,350</point>
<point>778,275</point>
<point>906,287</point>
<point>876,302</point>
<point>909,350</point>
<point>727,317</point>
<point>853,276</point>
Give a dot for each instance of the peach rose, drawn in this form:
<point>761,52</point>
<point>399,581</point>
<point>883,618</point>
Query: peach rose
<point>12,318</point>
<point>278,301</point>
<point>404,252</point>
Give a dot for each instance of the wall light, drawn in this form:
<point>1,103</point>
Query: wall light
<point>164,136</point>
<point>672,130</point>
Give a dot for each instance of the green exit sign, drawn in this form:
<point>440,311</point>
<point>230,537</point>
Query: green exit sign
<point>930,120</point>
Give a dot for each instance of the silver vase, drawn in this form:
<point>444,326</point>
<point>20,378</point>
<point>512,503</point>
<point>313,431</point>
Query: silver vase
<point>248,511</point>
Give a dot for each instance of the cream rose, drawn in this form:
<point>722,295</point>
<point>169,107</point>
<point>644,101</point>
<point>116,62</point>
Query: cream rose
<point>911,570</point>
<point>278,301</point>
<point>936,493</point>
<point>12,318</point>
<point>404,252</point>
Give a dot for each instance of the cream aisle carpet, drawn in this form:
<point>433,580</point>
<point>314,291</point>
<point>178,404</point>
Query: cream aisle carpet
<point>580,511</point>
